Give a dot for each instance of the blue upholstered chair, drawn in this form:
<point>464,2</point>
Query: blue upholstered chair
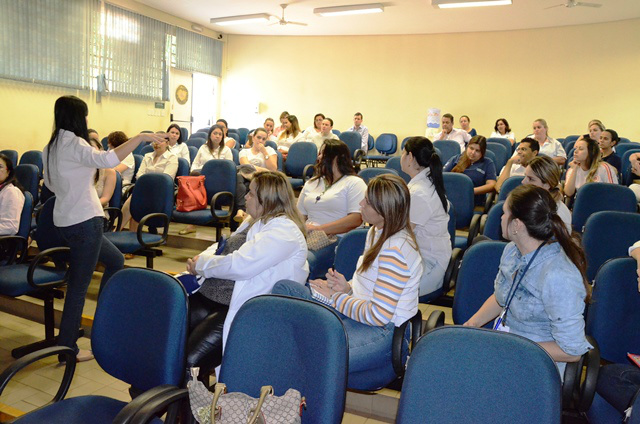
<point>113,210</point>
<point>336,132</point>
<point>193,152</point>
<point>299,164</point>
<point>448,149</point>
<point>370,143</point>
<point>271,144</point>
<point>505,142</point>
<point>138,150</point>
<point>27,176</point>
<point>220,183</point>
<point>138,336</point>
<point>146,149</point>
<point>137,161</point>
<point>569,139</point>
<point>608,235</point>
<point>243,133</point>
<point>368,173</point>
<point>184,133</point>
<point>491,223</point>
<point>595,197</point>
<point>509,185</point>
<point>196,142</point>
<point>353,140</point>
<point>280,161</point>
<point>627,175</point>
<point>501,153</point>
<point>12,155</point>
<point>183,167</point>
<point>386,145</point>
<point>473,375</point>
<point>349,249</point>
<point>32,157</point>
<point>394,163</point>
<point>151,206</point>
<point>204,130</point>
<point>459,189</point>
<point>622,148</point>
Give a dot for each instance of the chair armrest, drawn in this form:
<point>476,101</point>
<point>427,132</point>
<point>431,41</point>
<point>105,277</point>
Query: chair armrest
<point>70,367</point>
<point>127,189</point>
<point>44,257</point>
<point>222,195</point>
<point>436,319</point>
<point>115,218</point>
<point>491,199</point>
<point>160,403</point>
<point>15,248</point>
<point>398,338</point>
<point>128,413</point>
<point>474,228</point>
<point>588,386</point>
<point>451,273</point>
<point>483,223</point>
<point>358,155</point>
<point>305,172</point>
<point>165,231</point>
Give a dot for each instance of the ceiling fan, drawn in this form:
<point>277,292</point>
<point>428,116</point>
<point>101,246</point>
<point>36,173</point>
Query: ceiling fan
<point>573,3</point>
<point>282,21</point>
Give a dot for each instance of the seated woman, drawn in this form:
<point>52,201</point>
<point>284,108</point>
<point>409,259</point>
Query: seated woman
<point>587,167</point>
<point>11,198</point>
<point>502,130</point>
<point>541,287</point>
<point>128,165</point>
<point>161,160</point>
<point>548,146</point>
<point>214,148</point>
<point>104,180</point>
<point>383,292</point>
<point>276,132</point>
<point>607,141</point>
<point>314,129</point>
<point>635,170</point>
<point>228,141</point>
<point>176,145</point>
<point>290,135</point>
<point>472,163</point>
<point>465,125</point>
<point>543,172</point>
<point>275,248</point>
<point>330,202</point>
<point>429,217</point>
<point>268,125</point>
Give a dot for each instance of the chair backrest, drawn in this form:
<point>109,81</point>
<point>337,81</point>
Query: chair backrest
<point>236,156</point>
<point>513,379</point>
<point>353,140</point>
<point>459,189</point>
<point>33,157</point>
<point>627,175</point>
<point>569,143</point>
<point>137,160</point>
<point>150,308</point>
<point>622,148</point>
<point>193,152</point>
<point>336,132</point>
<point>448,149</point>
<point>504,141</point>
<point>204,130</point>
<point>12,155</point>
<point>368,173</point>
<point>105,143</point>
<point>280,161</point>
<point>27,176</point>
<point>272,144</point>
<point>116,197</point>
<point>196,142</point>
<point>490,155</point>
<point>595,197</point>
<point>243,133</point>
<point>625,140</point>
<point>146,149</point>
<point>153,193</point>
<point>300,155</point>
<point>183,167</point>
<point>289,343</point>
<point>614,310</point>
<point>451,225</point>
<point>219,175</point>
<point>394,163</point>
<point>235,136</point>
<point>475,279</point>
<point>138,149</point>
<point>608,235</point>
<point>501,152</point>
<point>370,143</point>
<point>492,227</point>
<point>386,143</point>
<point>25,216</point>
<point>349,250</point>
<point>571,138</point>
<point>184,132</point>
<point>46,235</point>
<point>509,185</point>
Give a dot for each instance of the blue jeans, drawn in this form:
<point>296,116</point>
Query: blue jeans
<point>369,346</point>
<point>88,246</point>
<point>618,384</point>
<point>321,260</point>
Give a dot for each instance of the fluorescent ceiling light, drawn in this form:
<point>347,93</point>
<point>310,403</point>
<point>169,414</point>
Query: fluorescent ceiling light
<point>451,4</point>
<point>241,19</point>
<point>356,9</point>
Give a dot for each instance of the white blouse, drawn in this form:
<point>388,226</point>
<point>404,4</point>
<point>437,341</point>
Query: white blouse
<point>284,142</point>
<point>167,163</point>
<point>11,204</point>
<point>181,151</point>
<point>204,155</point>
<point>256,160</point>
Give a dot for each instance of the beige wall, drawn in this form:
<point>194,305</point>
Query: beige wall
<point>567,75</point>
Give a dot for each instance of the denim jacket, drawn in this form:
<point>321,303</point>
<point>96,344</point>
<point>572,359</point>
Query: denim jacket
<point>549,302</point>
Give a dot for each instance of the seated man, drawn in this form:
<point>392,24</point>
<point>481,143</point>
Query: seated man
<point>324,134</point>
<point>527,150</point>
<point>362,130</point>
<point>450,133</point>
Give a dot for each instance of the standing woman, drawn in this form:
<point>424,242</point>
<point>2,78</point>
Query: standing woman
<point>473,164</point>
<point>465,125</point>
<point>548,146</point>
<point>214,148</point>
<point>502,130</point>
<point>11,198</point>
<point>429,217</point>
<point>290,135</point>
<point>588,167</point>
<point>383,293</point>
<point>69,166</point>
<point>176,146</point>
<point>541,288</point>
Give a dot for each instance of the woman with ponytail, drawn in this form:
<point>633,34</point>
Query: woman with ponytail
<point>541,288</point>
<point>429,217</point>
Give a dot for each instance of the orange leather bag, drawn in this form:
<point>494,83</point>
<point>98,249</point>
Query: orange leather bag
<point>192,195</point>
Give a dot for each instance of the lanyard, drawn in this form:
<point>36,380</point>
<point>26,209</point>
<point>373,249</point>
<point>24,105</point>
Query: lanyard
<point>514,287</point>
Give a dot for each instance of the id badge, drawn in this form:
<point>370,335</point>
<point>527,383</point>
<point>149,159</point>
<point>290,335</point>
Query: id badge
<point>498,324</point>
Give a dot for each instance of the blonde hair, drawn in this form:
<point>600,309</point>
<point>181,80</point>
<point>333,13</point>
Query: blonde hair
<point>389,196</point>
<point>549,173</point>
<point>275,195</point>
<point>544,124</point>
<point>598,123</point>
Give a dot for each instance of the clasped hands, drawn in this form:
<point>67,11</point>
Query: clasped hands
<point>335,283</point>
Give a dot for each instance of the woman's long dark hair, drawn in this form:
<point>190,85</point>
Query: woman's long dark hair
<point>423,151</point>
<point>176,126</point>
<point>210,143</point>
<point>464,162</point>
<point>70,113</point>
<point>538,211</point>
<point>333,149</point>
<point>11,178</point>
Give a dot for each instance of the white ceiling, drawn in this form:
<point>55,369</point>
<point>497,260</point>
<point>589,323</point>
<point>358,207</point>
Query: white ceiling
<point>399,17</point>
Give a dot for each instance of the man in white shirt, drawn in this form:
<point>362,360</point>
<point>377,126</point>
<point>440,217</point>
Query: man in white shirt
<point>360,129</point>
<point>324,134</point>
<point>527,150</point>
<point>450,133</point>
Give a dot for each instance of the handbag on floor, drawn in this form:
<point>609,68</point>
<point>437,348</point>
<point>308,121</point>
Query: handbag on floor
<point>239,408</point>
<point>192,195</point>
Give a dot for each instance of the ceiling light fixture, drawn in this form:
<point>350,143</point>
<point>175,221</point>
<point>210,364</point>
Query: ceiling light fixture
<point>355,9</point>
<point>241,19</point>
<point>451,4</point>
